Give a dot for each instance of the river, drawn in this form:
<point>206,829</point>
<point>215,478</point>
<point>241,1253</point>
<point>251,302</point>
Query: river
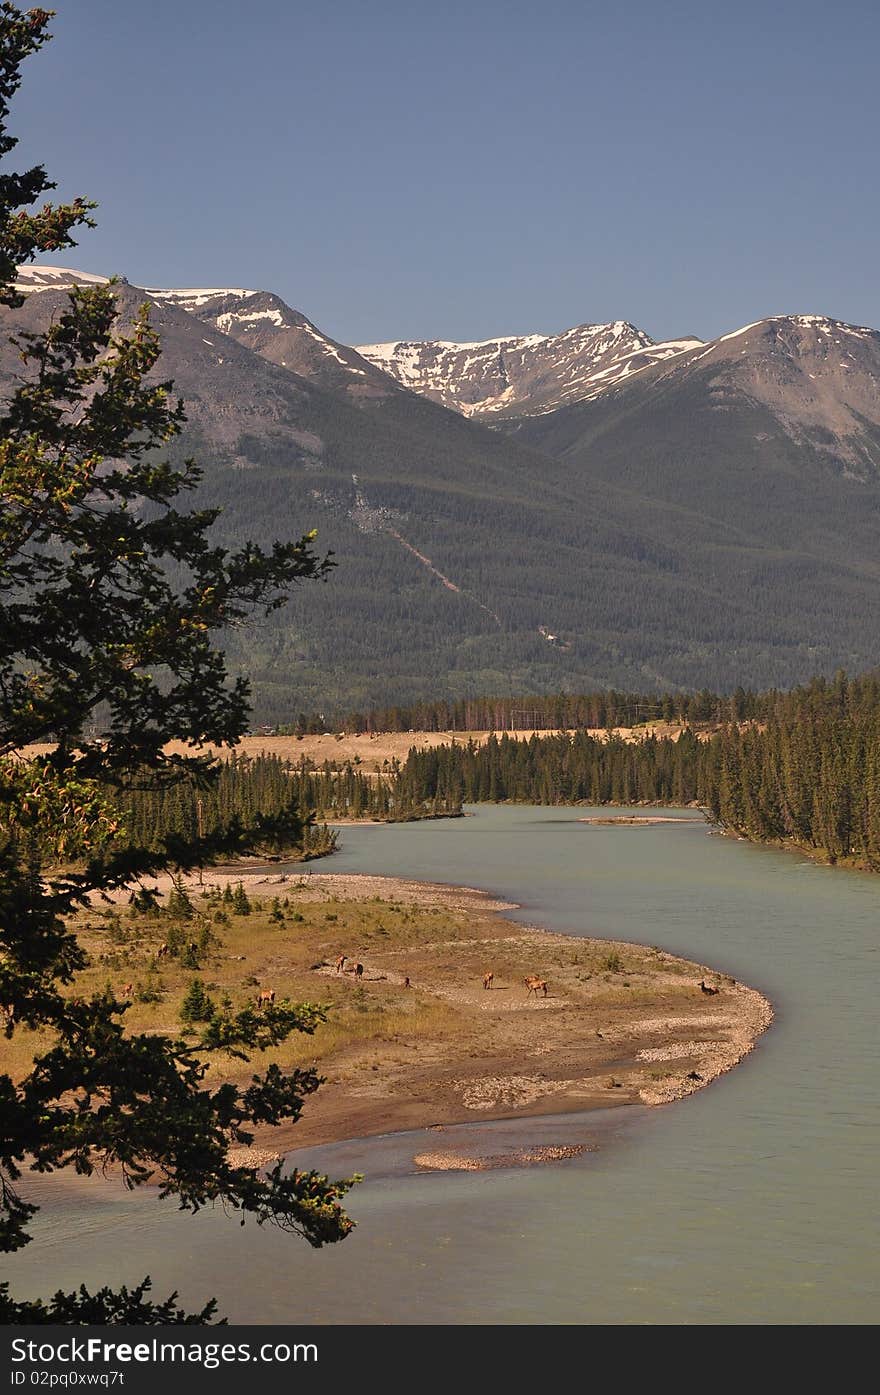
<point>751,1202</point>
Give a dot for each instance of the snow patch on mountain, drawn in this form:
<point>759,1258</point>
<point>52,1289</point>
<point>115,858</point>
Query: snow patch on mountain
<point>54,278</point>
<point>328,348</point>
<point>524,374</point>
<point>227,320</point>
<point>193,298</point>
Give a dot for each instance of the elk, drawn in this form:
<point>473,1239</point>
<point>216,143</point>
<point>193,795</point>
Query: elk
<point>266,997</point>
<point>487,979</point>
<point>127,991</point>
<point>358,970</point>
<point>163,950</point>
<point>705,987</point>
<point>535,985</point>
<point>340,963</point>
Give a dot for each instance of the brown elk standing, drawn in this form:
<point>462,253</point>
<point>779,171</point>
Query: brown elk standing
<point>536,985</point>
<point>340,963</point>
<point>127,991</point>
<point>705,987</point>
<point>266,998</point>
<point>358,970</point>
<point>487,979</point>
<point>162,950</point>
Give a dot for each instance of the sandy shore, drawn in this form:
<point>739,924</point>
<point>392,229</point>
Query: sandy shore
<point>620,1023</point>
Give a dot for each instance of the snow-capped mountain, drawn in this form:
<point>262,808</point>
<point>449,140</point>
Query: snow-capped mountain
<point>755,427</point>
<point>815,379</point>
<point>259,320</point>
<point>54,278</point>
<point>516,376</point>
<point>523,374</point>
<point>819,377</point>
<point>265,324</point>
<point>687,514</point>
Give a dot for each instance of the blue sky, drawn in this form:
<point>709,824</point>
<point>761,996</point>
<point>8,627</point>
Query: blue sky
<point>460,170</point>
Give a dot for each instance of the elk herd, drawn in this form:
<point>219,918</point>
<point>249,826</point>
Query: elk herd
<point>532,982</point>
<point>265,998</point>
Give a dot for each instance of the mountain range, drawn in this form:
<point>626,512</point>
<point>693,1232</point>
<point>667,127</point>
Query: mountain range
<point>531,513</point>
<point>524,374</point>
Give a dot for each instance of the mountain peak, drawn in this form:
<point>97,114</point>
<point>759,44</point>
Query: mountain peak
<point>263,322</point>
<point>527,373</point>
<point>193,298</point>
<point>820,324</point>
<point>33,277</point>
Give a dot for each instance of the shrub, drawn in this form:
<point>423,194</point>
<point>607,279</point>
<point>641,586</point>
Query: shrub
<point>149,991</point>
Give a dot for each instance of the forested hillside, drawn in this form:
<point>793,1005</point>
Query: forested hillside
<point>679,533</point>
<point>543,712</point>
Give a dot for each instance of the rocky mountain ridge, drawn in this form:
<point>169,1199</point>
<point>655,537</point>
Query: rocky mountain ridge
<point>701,519</point>
<point>523,374</point>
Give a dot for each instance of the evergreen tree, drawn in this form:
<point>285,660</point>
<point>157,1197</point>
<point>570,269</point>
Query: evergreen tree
<point>197,1005</point>
<point>110,593</point>
<point>179,904</point>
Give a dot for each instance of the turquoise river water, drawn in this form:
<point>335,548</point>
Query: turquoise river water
<point>752,1202</point>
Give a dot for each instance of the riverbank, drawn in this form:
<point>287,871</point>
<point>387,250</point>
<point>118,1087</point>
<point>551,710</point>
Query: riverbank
<point>637,819</point>
<point>820,857</point>
<point>416,1040</point>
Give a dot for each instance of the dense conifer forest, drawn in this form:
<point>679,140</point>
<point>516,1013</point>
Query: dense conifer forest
<point>566,711</point>
<point>803,768</point>
<point>301,796</point>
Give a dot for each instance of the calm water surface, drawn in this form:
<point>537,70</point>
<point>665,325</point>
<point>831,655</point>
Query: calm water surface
<point>753,1202</point>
